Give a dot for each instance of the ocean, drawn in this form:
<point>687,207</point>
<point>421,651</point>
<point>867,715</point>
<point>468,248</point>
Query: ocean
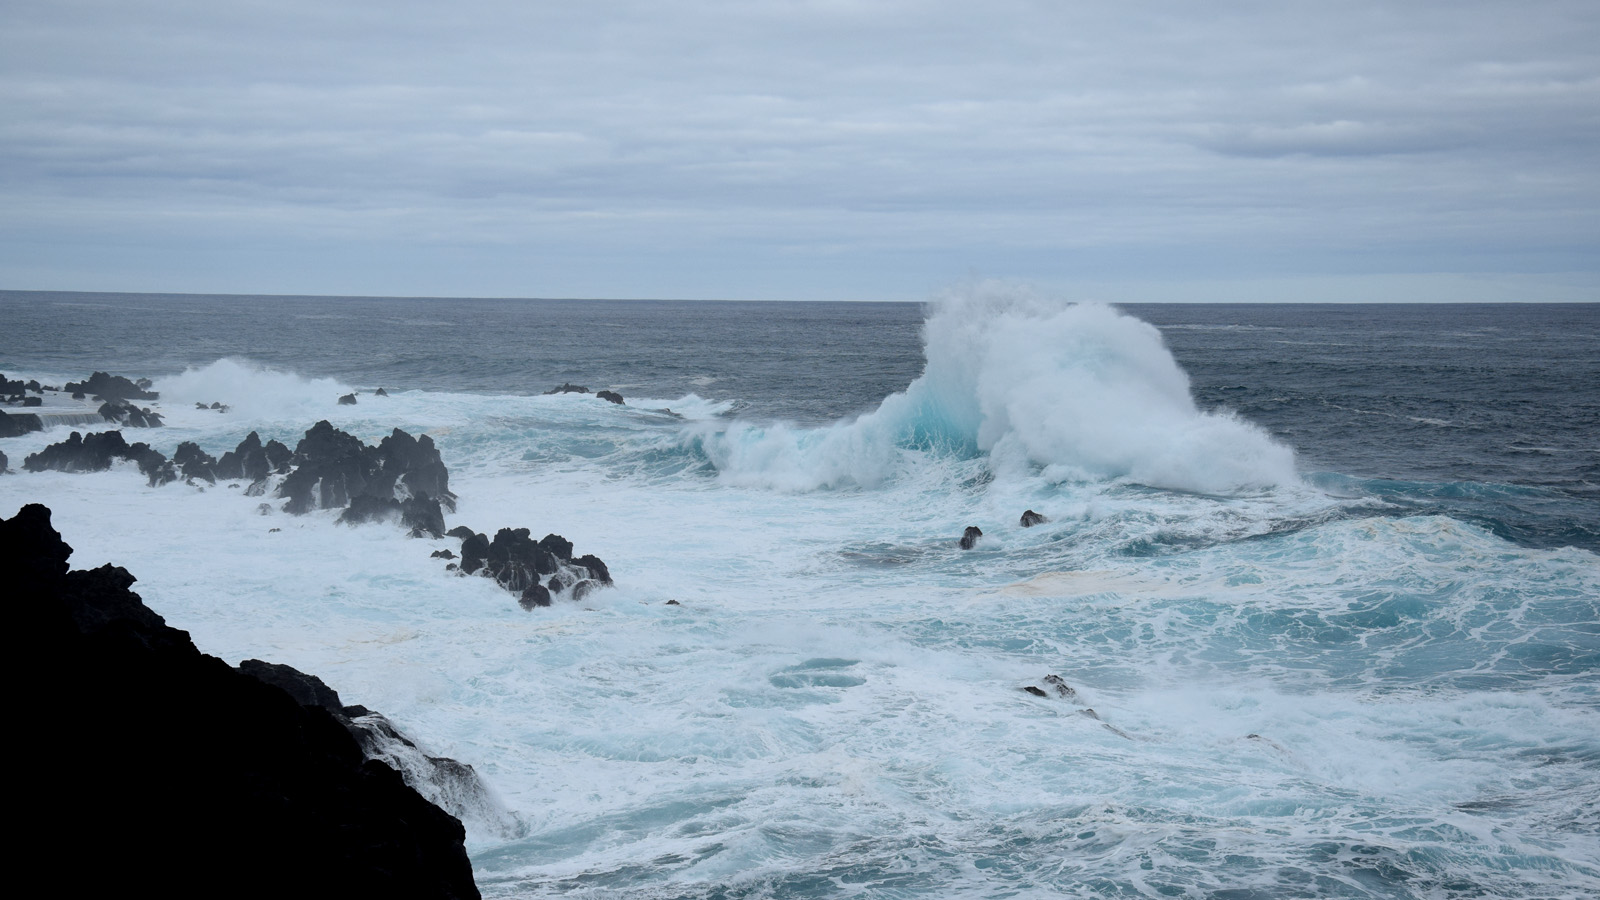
<point>1318,585</point>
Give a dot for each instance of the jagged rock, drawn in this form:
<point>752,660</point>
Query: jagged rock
<point>442,554</point>
<point>128,416</point>
<point>217,778</point>
<point>534,595</point>
<point>1037,692</point>
<point>460,532</point>
<point>32,401</point>
<point>969,538</point>
<point>9,387</point>
<point>584,588</point>
<point>515,561</point>
<point>112,387</point>
<point>78,453</point>
<point>612,396</point>
<point>330,467</point>
<point>557,546</point>
<point>3,463</point>
<point>380,392</point>
<point>1031,518</point>
<point>347,400</point>
<point>422,516</point>
<point>365,508</point>
<point>415,464</point>
<point>568,388</point>
<point>597,569</point>
<point>248,460</point>
<point>34,385</point>
<point>14,425</point>
<point>194,464</point>
<point>474,553</point>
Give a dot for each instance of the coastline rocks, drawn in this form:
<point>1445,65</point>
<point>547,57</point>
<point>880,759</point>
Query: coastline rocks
<point>611,396</point>
<point>194,464</point>
<point>202,778</point>
<point>969,538</point>
<point>3,463</point>
<point>567,388</point>
<point>380,392</point>
<point>251,460</point>
<point>453,786</point>
<point>10,387</point>
<point>16,424</point>
<point>1031,518</point>
<point>112,387</point>
<point>128,416</point>
<point>535,571</point>
<point>78,453</point>
<point>347,400</point>
<point>332,467</point>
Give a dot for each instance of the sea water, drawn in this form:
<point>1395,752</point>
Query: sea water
<point>1323,581</point>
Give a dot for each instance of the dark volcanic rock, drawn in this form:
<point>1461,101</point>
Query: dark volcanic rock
<point>128,416</point>
<point>442,554</point>
<point>380,392</point>
<point>969,538</point>
<point>3,463</point>
<point>515,561</point>
<point>460,532</point>
<point>474,553</point>
<point>612,396</point>
<point>330,467</point>
<point>195,464</point>
<point>597,569</point>
<point>32,401</point>
<point>1031,518</point>
<point>557,546</point>
<point>203,779</point>
<point>365,508</point>
<point>422,516</point>
<point>11,387</point>
<point>12,425</point>
<point>248,460</point>
<point>568,388</point>
<point>112,387</point>
<point>534,595</point>
<point>414,464</point>
<point>347,400</point>
<point>77,453</point>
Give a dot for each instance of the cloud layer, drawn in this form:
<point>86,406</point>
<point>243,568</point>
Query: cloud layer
<point>808,148</point>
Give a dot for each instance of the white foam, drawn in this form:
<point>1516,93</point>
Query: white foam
<point>1079,391</point>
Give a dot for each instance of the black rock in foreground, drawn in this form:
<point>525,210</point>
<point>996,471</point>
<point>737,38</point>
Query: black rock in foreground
<point>155,769</point>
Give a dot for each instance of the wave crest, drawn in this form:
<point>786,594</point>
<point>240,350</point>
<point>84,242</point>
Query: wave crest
<point>1070,392</point>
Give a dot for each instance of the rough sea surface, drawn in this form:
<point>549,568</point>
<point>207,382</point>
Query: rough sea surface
<point>1326,577</point>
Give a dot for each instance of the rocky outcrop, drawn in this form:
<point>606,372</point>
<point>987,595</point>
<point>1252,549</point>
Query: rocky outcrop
<point>201,780</point>
<point>331,467</point>
<point>347,400</point>
<point>78,453</point>
<point>567,388</point>
<point>129,416</point>
<point>253,461</point>
<point>112,387</point>
<point>1031,518</point>
<point>610,396</point>
<point>453,786</point>
<point>536,571</point>
<point>3,463</point>
<point>17,424</point>
<point>969,538</point>
<point>194,464</point>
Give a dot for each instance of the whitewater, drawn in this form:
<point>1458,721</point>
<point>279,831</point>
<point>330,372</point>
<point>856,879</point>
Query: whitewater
<point>1287,680</point>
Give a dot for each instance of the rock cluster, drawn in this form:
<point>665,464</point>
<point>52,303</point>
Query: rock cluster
<point>129,416</point>
<point>570,388</point>
<point>533,570</point>
<point>401,477</point>
<point>112,387</point>
<point>201,779</point>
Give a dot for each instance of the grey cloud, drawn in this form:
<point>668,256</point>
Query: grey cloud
<point>1158,132</point>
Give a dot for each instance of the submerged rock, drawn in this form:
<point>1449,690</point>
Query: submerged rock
<point>218,781</point>
<point>969,538</point>
<point>1031,518</point>
<point>567,388</point>
<point>611,396</point>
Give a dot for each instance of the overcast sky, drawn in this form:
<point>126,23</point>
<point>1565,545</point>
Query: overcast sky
<point>803,149</point>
